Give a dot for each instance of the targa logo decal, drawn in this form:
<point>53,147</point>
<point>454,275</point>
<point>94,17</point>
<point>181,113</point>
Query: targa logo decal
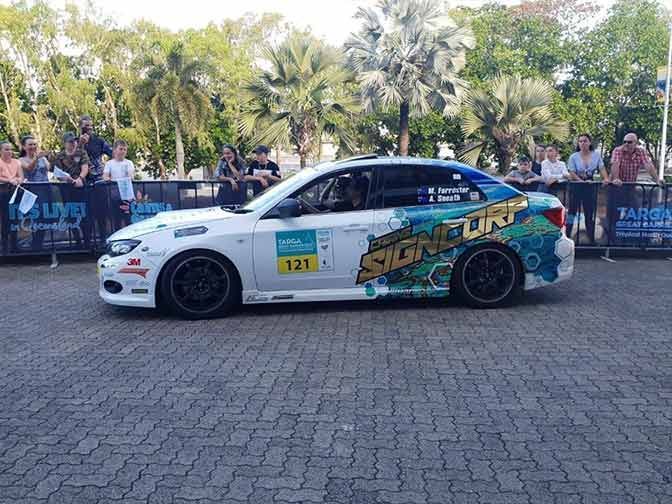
<point>402,248</point>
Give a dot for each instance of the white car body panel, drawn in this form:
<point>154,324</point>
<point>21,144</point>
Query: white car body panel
<point>253,244</point>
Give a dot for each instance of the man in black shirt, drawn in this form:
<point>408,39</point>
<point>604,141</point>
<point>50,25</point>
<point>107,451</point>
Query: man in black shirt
<point>94,146</point>
<point>262,172</point>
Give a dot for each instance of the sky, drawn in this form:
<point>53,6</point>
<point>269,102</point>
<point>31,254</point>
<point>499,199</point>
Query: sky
<point>331,19</point>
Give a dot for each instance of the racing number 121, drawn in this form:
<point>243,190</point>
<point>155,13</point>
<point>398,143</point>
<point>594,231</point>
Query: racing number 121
<point>297,264</point>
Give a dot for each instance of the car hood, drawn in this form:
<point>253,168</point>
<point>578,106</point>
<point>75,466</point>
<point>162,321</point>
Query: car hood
<point>172,220</point>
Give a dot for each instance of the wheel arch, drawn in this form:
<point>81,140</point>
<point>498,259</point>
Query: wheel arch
<point>157,285</point>
<point>488,244</point>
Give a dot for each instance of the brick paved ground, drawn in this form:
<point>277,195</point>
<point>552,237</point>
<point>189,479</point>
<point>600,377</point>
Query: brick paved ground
<point>566,398</point>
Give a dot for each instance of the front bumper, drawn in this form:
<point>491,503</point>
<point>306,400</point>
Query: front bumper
<point>126,281</point>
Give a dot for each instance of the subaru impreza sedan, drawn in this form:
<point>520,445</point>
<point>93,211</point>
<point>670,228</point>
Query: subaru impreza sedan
<point>363,228</point>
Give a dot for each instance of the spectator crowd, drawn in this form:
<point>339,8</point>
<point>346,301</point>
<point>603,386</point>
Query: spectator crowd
<point>80,163</point>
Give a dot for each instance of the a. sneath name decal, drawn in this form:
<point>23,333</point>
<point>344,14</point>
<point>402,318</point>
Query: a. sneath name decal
<point>400,248</point>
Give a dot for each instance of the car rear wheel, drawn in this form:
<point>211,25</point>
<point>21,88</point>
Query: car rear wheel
<point>488,277</point>
<point>200,284</point>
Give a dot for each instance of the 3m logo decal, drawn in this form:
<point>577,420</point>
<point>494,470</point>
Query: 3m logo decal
<point>401,248</point>
<point>133,262</point>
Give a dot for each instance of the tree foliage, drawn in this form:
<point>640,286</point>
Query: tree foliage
<point>407,64</point>
<point>299,98</point>
<point>408,55</point>
<point>512,112</point>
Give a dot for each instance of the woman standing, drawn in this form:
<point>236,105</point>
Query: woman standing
<point>583,165</point>
<point>35,166</point>
<point>10,168</point>
<point>231,171</point>
<point>10,173</point>
<point>34,163</point>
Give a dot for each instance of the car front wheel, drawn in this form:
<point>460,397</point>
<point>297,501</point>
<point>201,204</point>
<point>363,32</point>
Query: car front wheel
<point>488,277</point>
<point>200,284</point>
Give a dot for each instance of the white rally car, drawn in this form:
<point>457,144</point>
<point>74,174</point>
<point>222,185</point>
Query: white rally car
<point>363,228</point>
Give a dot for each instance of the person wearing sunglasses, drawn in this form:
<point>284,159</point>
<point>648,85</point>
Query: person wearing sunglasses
<point>627,161</point>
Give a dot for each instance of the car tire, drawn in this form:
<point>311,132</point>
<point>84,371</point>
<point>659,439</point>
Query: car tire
<point>488,276</point>
<point>200,284</point>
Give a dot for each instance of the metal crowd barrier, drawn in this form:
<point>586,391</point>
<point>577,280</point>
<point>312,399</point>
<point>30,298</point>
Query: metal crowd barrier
<point>66,219</point>
<point>634,215</point>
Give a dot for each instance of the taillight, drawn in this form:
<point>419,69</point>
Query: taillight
<point>556,216</point>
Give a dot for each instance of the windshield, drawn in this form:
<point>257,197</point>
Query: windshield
<point>270,194</point>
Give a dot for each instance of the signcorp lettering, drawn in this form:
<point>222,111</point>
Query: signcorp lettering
<point>401,248</point>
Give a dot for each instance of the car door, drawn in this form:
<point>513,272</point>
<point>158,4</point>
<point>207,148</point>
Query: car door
<point>314,250</point>
<point>409,255</point>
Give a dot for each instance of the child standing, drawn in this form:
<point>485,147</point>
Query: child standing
<point>115,169</point>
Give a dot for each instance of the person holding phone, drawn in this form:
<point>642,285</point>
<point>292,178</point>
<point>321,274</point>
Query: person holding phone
<point>231,172</point>
<point>94,146</point>
<point>35,166</point>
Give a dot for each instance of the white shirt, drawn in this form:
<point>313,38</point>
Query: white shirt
<point>119,169</point>
<point>554,169</point>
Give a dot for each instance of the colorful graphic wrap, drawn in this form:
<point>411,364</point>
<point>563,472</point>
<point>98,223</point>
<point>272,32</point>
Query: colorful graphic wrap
<point>416,258</point>
<point>403,248</point>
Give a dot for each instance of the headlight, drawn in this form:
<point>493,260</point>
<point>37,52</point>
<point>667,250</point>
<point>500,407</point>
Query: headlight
<point>121,247</point>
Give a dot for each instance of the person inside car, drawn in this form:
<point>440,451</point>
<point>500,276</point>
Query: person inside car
<point>355,196</point>
<point>349,195</point>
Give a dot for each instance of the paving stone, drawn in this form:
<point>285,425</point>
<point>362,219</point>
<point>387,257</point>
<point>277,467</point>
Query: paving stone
<point>557,399</point>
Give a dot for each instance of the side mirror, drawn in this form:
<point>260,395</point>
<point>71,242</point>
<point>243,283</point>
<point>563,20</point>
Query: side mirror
<point>289,208</point>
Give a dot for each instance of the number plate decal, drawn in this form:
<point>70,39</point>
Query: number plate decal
<point>306,251</point>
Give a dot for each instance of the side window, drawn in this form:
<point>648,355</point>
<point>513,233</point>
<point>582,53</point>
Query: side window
<point>413,185</point>
<point>345,191</point>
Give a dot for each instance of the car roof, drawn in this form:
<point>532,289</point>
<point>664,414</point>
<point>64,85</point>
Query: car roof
<point>474,174</point>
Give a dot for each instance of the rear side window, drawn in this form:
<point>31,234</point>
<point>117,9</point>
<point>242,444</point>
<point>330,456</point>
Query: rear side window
<point>413,185</point>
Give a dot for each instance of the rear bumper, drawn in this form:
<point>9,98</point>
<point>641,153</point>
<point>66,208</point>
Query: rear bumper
<point>564,251</point>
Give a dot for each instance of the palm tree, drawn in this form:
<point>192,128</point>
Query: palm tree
<point>172,91</point>
<point>510,112</point>
<point>299,98</point>
<point>407,55</point>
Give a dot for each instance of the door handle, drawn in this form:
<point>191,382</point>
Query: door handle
<point>355,227</point>
<point>461,220</point>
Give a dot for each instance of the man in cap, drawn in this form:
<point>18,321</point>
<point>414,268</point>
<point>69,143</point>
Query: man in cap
<point>73,161</point>
<point>262,172</point>
<point>74,165</point>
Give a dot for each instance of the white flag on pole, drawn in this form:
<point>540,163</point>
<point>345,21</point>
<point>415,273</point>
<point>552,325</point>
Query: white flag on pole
<point>125,186</point>
<point>60,174</point>
<point>27,202</point>
<point>13,198</point>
